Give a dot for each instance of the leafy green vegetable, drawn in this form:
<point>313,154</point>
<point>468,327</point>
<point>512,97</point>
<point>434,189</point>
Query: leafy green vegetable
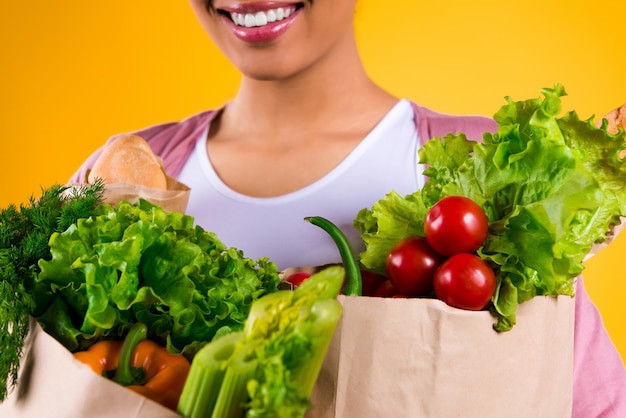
<point>551,187</point>
<point>270,368</point>
<point>24,234</point>
<point>138,263</point>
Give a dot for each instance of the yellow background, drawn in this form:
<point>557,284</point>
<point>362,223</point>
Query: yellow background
<point>73,73</point>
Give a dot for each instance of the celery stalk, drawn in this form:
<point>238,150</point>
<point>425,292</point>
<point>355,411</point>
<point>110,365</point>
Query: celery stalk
<point>294,330</point>
<point>233,395</point>
<point>269,369</point>
<point>206,374</point>
<point>325,284</point>
<point>327,314</point>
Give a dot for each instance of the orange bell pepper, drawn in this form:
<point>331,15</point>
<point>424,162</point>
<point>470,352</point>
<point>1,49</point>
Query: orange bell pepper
<point>140,365</point>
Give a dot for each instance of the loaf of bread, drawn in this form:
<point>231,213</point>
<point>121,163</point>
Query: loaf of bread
<point>129,159</point>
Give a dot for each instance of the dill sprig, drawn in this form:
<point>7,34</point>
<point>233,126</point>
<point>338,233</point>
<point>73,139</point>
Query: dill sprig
<point>24,235</point>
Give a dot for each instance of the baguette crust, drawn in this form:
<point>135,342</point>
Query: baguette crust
<point>129,159</point>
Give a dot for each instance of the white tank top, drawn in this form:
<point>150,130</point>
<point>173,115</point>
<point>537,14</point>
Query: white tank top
<point>274,227</point>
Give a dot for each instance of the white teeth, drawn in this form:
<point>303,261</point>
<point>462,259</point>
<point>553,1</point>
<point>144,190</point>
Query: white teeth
<point>238,18</point>
<point>249,21</point>
<point>261,18</point>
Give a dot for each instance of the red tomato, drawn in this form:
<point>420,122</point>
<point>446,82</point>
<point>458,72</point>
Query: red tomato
<point>296,279</point>
<point>371,282</point>
<point>385,290</point>
<point>411,266</point>
<point>465,281</point>
<point>455,225</point>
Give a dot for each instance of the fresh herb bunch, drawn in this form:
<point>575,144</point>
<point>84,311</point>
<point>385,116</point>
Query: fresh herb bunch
<point>24,235</point>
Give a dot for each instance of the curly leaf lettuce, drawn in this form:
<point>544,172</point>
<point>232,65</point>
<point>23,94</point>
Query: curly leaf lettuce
<point>137,262</point>
<point>551,187</point>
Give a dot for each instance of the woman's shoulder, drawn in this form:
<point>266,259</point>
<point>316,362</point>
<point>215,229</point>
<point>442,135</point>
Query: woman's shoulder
<point>172,141</point>
<point>431,123</point>
<point>161,134</point>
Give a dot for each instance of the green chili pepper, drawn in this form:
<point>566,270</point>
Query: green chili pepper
<point>353,286</point>
<point>124,374</point>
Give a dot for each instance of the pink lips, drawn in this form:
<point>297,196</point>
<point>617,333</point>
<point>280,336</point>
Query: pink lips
<point>262,34</point>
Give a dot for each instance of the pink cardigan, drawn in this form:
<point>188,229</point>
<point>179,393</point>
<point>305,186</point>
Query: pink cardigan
<point>599,374</point>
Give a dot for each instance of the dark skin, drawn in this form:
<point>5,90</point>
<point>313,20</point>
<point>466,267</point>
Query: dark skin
<point>271,162</point>
<point>304,103</point>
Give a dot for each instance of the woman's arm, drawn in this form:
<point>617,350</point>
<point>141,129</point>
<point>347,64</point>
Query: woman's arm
<point>599,374</point>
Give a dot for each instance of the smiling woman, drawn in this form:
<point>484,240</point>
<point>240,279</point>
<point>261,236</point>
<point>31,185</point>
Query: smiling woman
<point>305,103</point>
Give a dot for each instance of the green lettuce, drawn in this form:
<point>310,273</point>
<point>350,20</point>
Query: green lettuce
<point>138,263</point>
<point>550,185</point>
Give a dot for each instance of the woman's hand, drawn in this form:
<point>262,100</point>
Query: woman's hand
<point>616,119</point>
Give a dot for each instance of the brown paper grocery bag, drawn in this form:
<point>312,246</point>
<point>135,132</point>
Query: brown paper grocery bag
<point>174,199</point>
<point>52,384</point>
<point>421,358</point>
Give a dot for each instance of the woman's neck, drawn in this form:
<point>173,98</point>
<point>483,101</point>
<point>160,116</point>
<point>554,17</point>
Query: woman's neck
<point>335,94</point>
<point>314,118</point>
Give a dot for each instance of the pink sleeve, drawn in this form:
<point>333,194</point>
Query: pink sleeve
<point>435,124</point>
<point>599,373</point>
<point>173,142</point>
<point>80,176</point>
